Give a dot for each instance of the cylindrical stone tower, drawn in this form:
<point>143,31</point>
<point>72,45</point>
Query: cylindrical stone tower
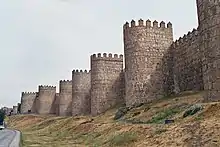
<point>15,110</point>
<point>209,30</point>
<point>107,85</point>
<point>81,82</point>
<point>65,98</point>
<point>28,102</point>
<point>144,47</point>
<point>46,99</point>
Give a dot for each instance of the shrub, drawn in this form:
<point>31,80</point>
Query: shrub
<point>121,112</point>
<point>161,116</point>
<point>2,115</point>
<point>192,110</point>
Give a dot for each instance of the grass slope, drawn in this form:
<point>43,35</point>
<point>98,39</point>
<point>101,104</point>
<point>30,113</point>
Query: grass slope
<point>140,127</point>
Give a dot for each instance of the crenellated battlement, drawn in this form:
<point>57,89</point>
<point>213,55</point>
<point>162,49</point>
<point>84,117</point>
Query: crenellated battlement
<point>65,81</point>
<point>186,37</point>
<point>81,71</point>
<point>46,87</point>
<point>148,24</point>
<point>28,93</point>
<point>105,56</point>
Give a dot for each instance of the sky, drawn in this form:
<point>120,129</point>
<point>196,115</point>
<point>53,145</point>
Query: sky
<point>42,41</point>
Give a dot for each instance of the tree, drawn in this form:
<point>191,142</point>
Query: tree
<point>2,115</point>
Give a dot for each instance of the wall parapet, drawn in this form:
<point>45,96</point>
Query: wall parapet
<point>105,56</point>
<point>65,81</point>
<point>28,93</point>
<point>81,71</point>
<point>148,24</point>
<point>186,37</point>
<point>46,87</point>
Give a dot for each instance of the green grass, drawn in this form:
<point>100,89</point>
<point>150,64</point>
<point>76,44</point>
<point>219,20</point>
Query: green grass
<point>123,139</point>
<point>161,116</point>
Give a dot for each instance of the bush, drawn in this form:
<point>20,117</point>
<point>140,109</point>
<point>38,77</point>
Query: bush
<point>121,112</point>
<point>2,115</point>
<point>161,116</point>
<point>192,110</point>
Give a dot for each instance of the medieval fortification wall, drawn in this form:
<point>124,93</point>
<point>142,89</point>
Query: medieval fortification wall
<point>28,102</point>
<point>187,67</point>
<point>209,31</point>
<point>155,66</point>
<point>46,99</point>
<point>15,110</point>
<point>106,88</point>
<point>81,85</point>
<point>65,98</point>
<point>57,104</point>
<point>144,47</point>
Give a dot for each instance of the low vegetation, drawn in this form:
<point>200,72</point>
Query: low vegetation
<point>140,126</point>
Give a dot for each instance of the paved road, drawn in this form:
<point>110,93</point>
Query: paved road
<point>9,138</point>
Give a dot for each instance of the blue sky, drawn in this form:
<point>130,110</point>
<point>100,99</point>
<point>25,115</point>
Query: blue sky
<point>42,41</point>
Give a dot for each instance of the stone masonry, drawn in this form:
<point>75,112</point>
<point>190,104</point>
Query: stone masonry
<point>106,82</point>
<point>15,110</point>
<point>209,31</point>
<point>65,98</point>
<point>155,66</point>
<point>57,103</point>
<point>46,99</point>
<point>81,85</point>
<point>144,47</point>
<point>187,61</point>
<point>28,102</point>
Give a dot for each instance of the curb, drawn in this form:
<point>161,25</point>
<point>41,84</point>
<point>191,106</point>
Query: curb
<point>17,139</point>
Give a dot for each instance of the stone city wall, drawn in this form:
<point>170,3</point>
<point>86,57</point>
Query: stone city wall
<point>187,67</point>
<point>81,85</point>
<point>65,98</point>
<point>144,47</point>
<point>106,82</point>
<point>28,102</point>
<point>46,99</point>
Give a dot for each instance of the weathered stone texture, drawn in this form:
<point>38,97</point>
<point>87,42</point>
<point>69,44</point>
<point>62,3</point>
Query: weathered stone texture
<point>15,110</point>
<point>209,30</point>
<point>57,103</point>
<point>65,98</point>
<point>45,99</point>
<point>144,48</point>
<point>81,85</point>
<point>187,67</point>
<point>107,85</point>
<point>28,102</point>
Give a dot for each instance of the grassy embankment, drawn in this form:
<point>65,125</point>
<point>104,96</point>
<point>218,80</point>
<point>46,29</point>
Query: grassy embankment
<point>140,127</point>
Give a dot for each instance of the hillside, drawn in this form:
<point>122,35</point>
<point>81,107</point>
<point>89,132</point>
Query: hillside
<point>140,127</point>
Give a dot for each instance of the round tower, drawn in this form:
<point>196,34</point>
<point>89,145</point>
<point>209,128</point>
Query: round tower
<point>15,110</point>
<point>28,102</point>
<point>144,47</point>
<point>65,98</point>
<point>106,82</point>
<point>81,82</point>
<point>46,99</point>
<point>209,30</point>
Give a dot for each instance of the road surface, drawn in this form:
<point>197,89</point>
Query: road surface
<point>9,138</point>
